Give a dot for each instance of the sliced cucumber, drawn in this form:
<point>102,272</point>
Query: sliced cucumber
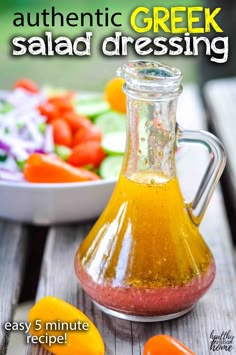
<point>114,143</point>
<point>92,108</point>
<point>111,166</point>
<point>86,97</point>
<point>110,122</point>
<point>62,151</point>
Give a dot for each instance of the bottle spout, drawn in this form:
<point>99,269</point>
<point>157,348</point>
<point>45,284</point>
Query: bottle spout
<point>150,76</point>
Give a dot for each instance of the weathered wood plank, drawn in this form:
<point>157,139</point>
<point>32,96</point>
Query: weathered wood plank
<point>215,311</point>
<point>13,248</point>
<point>220,98</point>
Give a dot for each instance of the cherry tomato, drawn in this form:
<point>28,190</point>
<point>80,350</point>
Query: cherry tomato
<point>48,110</point>
<point>76,121</point>
<point>27,84</point>
<point>61,132</point>
<point>87,153</point>
<point>87,133</point>
<point>165,345</point>
<point>62,103</point>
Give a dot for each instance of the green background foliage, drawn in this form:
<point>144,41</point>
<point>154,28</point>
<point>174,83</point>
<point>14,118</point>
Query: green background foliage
<point>86,73</point>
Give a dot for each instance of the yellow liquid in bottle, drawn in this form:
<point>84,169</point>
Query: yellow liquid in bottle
<point>145,237</point>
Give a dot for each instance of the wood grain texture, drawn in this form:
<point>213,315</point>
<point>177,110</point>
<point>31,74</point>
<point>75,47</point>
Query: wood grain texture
<point>220,98</point>
<point>13,248</point>
<point>215,311</point>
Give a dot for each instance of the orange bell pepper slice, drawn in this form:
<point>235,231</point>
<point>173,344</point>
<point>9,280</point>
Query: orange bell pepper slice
<point>41,168</point>
<point>165,345</point>
<point>51,312</point>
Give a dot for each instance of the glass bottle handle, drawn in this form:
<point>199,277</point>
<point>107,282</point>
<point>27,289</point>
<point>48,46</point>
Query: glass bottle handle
<point>197,207</point>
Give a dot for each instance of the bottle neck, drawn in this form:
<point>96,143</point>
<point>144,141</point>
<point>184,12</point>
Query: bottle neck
<point>151,138</point>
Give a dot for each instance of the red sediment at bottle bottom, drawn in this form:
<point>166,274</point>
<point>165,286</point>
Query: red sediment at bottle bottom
<point>135,300</point>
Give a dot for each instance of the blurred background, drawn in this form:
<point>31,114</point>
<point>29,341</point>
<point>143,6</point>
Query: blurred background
<point>92,73</point>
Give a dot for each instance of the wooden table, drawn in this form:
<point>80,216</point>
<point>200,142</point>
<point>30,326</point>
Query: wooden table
<point>221,103</point>
<point>216,311</point>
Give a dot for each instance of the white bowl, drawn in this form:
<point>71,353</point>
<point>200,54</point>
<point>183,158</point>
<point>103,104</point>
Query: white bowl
<point>44,204</point>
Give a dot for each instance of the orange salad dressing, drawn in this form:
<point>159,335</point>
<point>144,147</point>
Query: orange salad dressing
<point>146,237</point>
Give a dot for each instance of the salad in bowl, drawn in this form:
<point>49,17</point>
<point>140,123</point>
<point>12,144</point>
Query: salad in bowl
<point>60,151</point>
<point>49,136</point>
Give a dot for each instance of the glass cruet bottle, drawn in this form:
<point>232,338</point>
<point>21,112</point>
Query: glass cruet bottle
<point>144,259</point>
